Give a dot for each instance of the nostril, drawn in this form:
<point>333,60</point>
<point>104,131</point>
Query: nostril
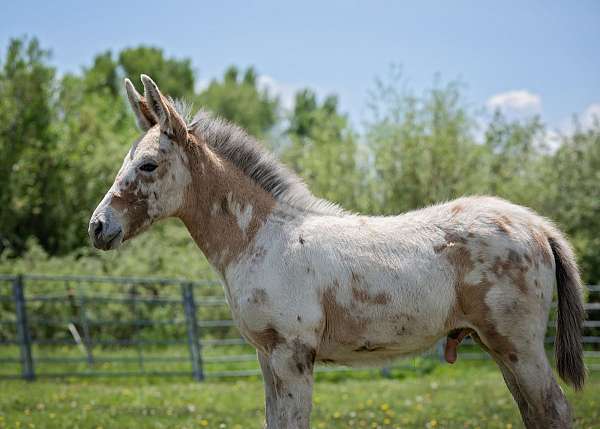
<point>98,228</point>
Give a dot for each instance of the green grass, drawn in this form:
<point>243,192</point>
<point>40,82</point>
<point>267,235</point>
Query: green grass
<point>71,359</point>
<point>466,395</point>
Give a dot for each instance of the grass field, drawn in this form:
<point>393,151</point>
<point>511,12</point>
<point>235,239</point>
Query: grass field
<point>467,395</point>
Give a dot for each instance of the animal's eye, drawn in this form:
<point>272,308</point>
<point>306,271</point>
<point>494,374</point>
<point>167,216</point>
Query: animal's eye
<point>148,166</point>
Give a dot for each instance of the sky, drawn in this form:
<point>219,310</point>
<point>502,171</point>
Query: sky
<point>525,58</point>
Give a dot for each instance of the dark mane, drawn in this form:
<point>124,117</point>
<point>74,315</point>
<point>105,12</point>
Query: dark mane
<point>233,143</point>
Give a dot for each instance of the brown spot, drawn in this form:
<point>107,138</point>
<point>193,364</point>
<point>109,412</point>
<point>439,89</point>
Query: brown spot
<point>513,269</point>
<point>401,331</point>
<point>340,326</point>
<point>303,357</point>
<point>440,247</point>
<point>514,257</point>
<point>513,357</point>
<point>455,237</point>
<point>503,224</point>
<point>381,298</point>
<point>542,246</point>
<point>451,239</point>
<point>362,295</point>
<point>457,208</point>
<point>259,296</point>
<point>470,302</point>
<point>267,339</point>
<point>135,203</point>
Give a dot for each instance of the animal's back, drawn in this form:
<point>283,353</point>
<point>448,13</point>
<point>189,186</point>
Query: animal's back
<point>400,283</point>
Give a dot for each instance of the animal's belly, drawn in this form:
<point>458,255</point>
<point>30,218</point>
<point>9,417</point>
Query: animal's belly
<point>378,341</point>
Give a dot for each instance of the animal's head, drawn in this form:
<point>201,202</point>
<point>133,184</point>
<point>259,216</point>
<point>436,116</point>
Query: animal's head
<point>153,179</point>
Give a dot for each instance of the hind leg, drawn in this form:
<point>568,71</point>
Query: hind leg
<point>529,378</point>
<point>519,397</point>
<point>547,405</point>
<point>511,383</point>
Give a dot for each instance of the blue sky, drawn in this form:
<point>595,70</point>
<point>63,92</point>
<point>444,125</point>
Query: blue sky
<point>525,57</point>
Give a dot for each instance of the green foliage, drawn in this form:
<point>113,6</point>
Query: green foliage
<point>572,181</point>
<point>240,100</point>
<point>423,148</point>
<point>176,77</point>
<point>28,146</point>
<point>514,158</point>
<point>324,149</point>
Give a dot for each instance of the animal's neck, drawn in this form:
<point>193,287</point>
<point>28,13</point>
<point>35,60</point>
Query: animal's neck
<point>224,209</point>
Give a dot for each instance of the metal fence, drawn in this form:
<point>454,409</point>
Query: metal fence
<point>71,326</point>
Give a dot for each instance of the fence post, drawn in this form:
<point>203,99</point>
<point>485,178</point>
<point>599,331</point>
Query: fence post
<point>189,307</point>
<point>440,348</point>
<point>23,335</point>
<point>87,340</point>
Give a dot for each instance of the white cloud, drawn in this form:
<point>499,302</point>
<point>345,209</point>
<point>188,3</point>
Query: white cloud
<point>567,126</point>
<point>516,102</point>
<point>589,115</point>
<point>286,92</point>
<point>585,120</point>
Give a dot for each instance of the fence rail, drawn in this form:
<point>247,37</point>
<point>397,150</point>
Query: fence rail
<point>158,327</point>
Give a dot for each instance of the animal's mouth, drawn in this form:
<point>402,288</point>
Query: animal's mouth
<point>112,242</point>
<point>115,242</point>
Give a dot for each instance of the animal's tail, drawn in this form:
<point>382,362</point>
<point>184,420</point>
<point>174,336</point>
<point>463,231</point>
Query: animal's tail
<point>569,348</point>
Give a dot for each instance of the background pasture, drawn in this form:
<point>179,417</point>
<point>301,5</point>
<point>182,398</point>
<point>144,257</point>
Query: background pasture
<point>420,139</point>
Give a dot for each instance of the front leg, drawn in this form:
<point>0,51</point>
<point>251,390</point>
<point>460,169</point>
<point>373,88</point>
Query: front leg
<point>292,368</point>
<point>270,392</point>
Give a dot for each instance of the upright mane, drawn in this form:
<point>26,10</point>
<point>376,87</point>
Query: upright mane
<point>233,143</point>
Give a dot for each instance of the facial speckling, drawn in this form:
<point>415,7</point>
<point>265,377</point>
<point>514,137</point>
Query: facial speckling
<point>143,197</point>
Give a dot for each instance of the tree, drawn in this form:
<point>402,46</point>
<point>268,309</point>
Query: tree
<point>103,76</point>
<point>572,179</point>
<point>423,148</point>
<point>176,76</point>
<point>515,156</point>
<point>323,149</point>
<point>241,101</point>
<point>29,189</point>
<point>94,132</point>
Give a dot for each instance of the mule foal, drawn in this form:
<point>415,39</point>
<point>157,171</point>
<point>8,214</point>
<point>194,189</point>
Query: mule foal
<point>309,282</point>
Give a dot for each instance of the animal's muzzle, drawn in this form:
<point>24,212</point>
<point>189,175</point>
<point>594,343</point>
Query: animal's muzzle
<point>104,232</point>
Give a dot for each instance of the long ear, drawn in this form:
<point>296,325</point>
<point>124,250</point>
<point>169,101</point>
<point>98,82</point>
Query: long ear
<point>143,117</point>
<point>168,119</point>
